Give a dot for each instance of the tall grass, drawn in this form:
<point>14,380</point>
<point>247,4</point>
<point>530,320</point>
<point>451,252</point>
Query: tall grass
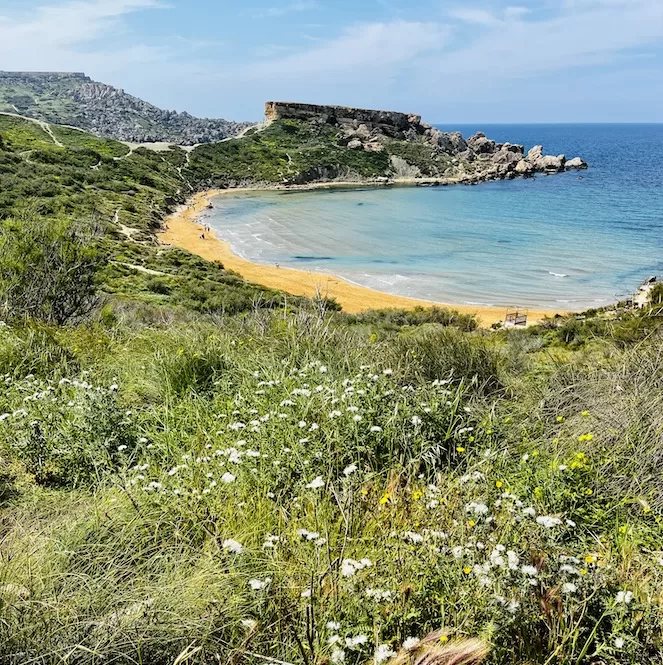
<point>284,486</point>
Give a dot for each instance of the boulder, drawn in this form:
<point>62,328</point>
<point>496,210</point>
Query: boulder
<point>356,144</point>
<point>480,144</point>
<point>576,163</point>
<point>550,163</point>
<point>524,168</point>
<point>535,153</point>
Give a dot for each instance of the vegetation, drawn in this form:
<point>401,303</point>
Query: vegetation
<point>287,150</point>
<point>196,470</point>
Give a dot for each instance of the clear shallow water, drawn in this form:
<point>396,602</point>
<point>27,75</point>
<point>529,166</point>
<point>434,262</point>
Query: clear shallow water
<point>556,241</point>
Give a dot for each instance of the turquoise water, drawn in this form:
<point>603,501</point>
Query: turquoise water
<point>556,241</point>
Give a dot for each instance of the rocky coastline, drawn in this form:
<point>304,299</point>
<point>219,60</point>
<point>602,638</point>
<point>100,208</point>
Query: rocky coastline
<point>440,158</point>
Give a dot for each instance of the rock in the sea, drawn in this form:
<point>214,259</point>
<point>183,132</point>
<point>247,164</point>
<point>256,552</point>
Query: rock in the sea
<point>524,168</point>
<point>535,153</point>
<point>576,163</point>
<point>550,163</point>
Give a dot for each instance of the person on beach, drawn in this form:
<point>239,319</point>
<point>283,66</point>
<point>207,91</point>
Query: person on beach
<point>202,236</point>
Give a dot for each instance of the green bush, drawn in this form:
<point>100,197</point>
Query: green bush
<point>48,270</point>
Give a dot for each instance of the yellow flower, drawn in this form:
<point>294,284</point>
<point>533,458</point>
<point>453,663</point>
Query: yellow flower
<point>583,571</point>
<point>471,523</point>
<point>560,419</point>
<point>590,559</point>
<point>467,570</point>
<point>444,639</point>
<point>385,498</point>
<point>499,484</point>
<point>538,493</point>
<point>460,450</point>
<point>589,491</point>
<point>417,494</point>
<point>584,414</point>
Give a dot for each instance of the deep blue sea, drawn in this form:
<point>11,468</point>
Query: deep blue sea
<point>559,241</point>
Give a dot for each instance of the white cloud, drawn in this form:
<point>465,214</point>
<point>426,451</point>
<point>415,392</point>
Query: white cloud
<point>291,8</point>
<point>478,16</point>
<point>358,50</point>
<point>61,36</point>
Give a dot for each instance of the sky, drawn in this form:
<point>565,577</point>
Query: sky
<point>452,61</point>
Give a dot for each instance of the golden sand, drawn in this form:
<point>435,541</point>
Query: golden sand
<point>183,230</point>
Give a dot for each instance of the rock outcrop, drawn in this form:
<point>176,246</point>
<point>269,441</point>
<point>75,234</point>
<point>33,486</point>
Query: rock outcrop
<point>76,100</point>
<point>447,155</point>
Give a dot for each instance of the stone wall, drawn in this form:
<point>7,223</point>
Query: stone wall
<point>340,115</point>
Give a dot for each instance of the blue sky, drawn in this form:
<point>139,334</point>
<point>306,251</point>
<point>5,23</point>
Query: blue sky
<point>473,61</point>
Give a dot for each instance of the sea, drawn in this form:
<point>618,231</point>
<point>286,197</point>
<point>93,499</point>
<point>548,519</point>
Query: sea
<point>572,241</point>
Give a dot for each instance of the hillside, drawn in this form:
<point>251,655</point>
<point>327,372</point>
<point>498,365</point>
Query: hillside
<point>194,469</point>
<point>75,99</point>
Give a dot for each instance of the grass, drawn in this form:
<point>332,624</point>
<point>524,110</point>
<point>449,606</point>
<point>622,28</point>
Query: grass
<point>149,455</point>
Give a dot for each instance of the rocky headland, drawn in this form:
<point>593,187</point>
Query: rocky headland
<point>417,150</point>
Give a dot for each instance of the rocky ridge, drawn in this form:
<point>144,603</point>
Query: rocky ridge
<point>447,156</point>
<point>75,99</point>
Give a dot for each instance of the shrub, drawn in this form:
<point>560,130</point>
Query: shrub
<point>48,270</point>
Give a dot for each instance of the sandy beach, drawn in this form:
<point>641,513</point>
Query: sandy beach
<point>183,230</point>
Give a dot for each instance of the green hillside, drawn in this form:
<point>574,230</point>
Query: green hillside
<point>194,469</point>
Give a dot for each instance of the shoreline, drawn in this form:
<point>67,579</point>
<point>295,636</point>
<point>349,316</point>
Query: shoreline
<point>183,229</point>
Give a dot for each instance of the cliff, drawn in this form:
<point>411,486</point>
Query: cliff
<point>75,99</point>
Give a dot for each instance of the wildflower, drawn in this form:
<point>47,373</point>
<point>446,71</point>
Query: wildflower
<point>306,593</point>
<point>259,585</point>
<point>416,420</point>
<point>619,642</point>
<point>316,483</point>
<point>569,587</point>
<point>590,559</point>
<point>548,521</point>
<point>624,597</point>
<point>385,498</point>
<point>232,546</point>
<point>356,641</point>
<point>376,428</point>
<point>416,538</point>
<point>388,372</point>
<point>349,470</point>
<point>378,594</point>
<point>411,643</point>
<point>338,656</point>
<point>249,624</point>
<point>333,625</point>
<point>499,484</point>
<point>531,571</point>
<point>467,570</point>
<point>121,448</point>
<point>476,508</point>
<point>227,478</point>
<point>383,653</point>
